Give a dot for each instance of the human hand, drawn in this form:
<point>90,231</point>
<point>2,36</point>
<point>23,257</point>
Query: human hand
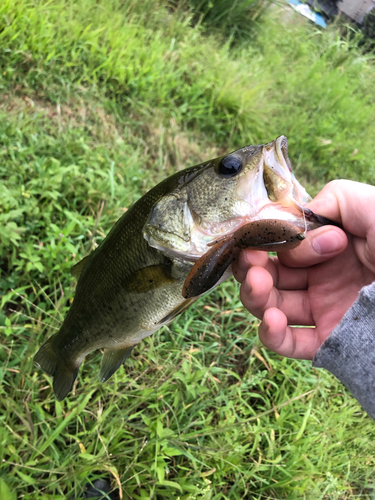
<point>316,283</point>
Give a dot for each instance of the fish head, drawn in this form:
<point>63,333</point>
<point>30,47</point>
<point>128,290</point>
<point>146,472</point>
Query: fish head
<point>213,200</point>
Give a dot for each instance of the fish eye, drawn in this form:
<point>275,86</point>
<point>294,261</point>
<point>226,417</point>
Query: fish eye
<point>229,166</point>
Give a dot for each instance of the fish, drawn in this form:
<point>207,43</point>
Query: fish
<point>174,244</point>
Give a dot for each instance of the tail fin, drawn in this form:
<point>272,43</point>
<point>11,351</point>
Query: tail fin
<point>52,363</point>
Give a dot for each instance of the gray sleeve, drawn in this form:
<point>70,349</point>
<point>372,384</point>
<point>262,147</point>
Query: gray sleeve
<point>349,352</point>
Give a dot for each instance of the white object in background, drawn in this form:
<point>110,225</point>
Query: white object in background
<point>356,9</point>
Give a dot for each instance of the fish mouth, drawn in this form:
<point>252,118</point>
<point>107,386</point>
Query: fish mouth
<point>278,151</point>
<point>282,186</point>
<point>269,187</point>
<point>274,192</point>
<point>280,183</point>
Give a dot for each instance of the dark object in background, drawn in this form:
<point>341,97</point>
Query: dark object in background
<point>359,12</point>
<point>355,13</point>
<point>100,489</point>
<point>368,27</point>
<point>327,7</point>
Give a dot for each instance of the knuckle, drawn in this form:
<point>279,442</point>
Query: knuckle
<point>339,186</point>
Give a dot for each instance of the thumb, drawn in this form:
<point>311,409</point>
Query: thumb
<point>320,245</point>
<point>349,203</point>
<point>352,204</point>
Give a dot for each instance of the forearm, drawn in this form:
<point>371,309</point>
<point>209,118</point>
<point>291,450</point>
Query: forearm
<point>349,352</point>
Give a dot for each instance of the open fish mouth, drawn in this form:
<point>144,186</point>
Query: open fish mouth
<point>277,160</point>
<point>281,186</point>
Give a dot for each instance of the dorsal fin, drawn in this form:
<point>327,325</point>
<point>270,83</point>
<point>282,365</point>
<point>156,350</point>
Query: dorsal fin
<point>77,269</point>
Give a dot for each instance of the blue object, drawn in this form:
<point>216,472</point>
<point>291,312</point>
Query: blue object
<point>305,10</point>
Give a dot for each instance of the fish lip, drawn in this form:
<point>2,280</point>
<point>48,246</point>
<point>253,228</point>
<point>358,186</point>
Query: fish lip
<point>279,147</point>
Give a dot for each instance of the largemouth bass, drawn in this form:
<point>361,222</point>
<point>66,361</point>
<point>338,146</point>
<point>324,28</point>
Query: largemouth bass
<point>174,244</point>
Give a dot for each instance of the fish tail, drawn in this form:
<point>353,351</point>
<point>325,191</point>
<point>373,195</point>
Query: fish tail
<point>63,374</point>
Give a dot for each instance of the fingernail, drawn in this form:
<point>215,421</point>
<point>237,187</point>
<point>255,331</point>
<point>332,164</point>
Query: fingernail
<point>327,242</point>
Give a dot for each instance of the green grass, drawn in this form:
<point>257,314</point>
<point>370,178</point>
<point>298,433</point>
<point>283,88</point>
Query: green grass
<point>98,102</point>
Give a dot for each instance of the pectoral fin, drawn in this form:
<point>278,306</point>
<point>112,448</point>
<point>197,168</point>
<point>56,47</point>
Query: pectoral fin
<point>208,270</point>
<point>112,360</point>
<point>149,278</point>
<point>177,311</point>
